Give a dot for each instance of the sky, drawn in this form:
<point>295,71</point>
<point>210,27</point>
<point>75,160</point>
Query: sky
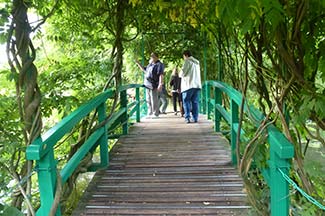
<point>33,18</point>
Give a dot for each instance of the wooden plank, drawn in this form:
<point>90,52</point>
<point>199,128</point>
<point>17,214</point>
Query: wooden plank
<point>167,167</point>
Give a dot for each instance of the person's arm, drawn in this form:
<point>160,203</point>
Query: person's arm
<point>161,82</point>
<point>185,69</point>
<point>140,66</point>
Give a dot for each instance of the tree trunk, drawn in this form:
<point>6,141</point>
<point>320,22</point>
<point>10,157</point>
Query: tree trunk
<point>21,61</point>
<point>120,27</point>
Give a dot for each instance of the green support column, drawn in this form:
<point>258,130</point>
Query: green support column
<point>234,123</point>
<point>279,187</point>
<point>46,168</point>
<point>104,156</point>
<point>124,103</point>
<point>143,77</point>
<point>217,115</point>
<point>203,99</point>
<point>137,98</point>
<point>203,107</point>
<point>207,98</point>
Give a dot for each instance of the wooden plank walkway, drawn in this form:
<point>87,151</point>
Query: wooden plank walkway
<point>167,167</point>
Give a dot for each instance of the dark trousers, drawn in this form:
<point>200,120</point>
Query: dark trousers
<point>177,99</point>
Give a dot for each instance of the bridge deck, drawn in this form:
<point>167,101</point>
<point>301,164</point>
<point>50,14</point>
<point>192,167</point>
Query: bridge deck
<point>167,167</point>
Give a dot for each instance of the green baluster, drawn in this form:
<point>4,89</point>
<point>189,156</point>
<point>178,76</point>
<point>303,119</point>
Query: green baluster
<point>145,108</point>
<point>208,93</point>
<point>104,156</point>
<point>46,168</point>
<point>124,103</point>
<point>204,74</point>
<point>234,124</point>
<point>203,99</point>
<point>137,98</point>
<point>279,187</point>
<point>217,115</point>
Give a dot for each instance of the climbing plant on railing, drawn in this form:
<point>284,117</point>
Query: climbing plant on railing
<point>21,55</point>
<point>50,177</point>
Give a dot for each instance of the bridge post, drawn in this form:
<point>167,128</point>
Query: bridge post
<point>124,103</point>
<point>204,74</point>
<point>145,108</point>
<point>203,99</point>
<point>234,124</point>
<point>207,100</point>
<point>46,170</point>
<point>104,156</point>
<point>217,115</point>
<point>137,98</point>
<point>279,187</point>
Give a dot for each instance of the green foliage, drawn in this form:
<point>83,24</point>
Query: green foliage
<point>4,21</point>
<point>9,211</point>
<point>11,137</point>
<point>72,79</point>
<point>75,60</point>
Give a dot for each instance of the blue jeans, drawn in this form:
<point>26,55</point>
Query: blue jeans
<point>191,103</point>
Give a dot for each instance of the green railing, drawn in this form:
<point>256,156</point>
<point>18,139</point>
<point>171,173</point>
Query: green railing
<point>42,149</point>
<point>281,150</point>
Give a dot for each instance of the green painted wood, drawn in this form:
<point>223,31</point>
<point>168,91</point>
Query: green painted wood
<point>132,104</point>
<point>203,100</point>
<point>73,163</point>
<point>256,116</point>
<point>129,86</point>
<point>234,120</point>
<point>46,171</point>
<point>42,145</point>
<point>279,187</point>
<point>281,150</point>
<point>208,107</point>
<point>243,138</point>
<point>116,119</point>
<point>280,144</point>
<point>137,98</point>
<point>217,101</point>
<point>103,144</point>
<point>41,149</point>
<point>145,108</point>
<point>124,104</point>
<point>134,109</point>
<point>224,113</point>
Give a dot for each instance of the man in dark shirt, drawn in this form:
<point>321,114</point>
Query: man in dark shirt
<point>153,81</point>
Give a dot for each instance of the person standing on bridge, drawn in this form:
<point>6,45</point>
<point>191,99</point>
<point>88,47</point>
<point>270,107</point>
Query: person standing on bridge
<point>153,81</point>
<point>190,86</point>
<point>175,83</point>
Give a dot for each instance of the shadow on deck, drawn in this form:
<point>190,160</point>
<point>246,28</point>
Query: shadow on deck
<point>167,167</point>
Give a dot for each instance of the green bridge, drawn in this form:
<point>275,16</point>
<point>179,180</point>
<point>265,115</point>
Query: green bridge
<point>219,103</point>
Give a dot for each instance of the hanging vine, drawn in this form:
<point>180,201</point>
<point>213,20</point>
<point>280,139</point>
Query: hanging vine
<point>21,55</point>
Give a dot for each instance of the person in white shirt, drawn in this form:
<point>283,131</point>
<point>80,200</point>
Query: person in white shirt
<point>190,86</point>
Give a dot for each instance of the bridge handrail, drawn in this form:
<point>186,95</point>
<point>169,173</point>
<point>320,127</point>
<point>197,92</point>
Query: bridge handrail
<point>41,145</point>
<point>281,149</point>
<point>42,149</point>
